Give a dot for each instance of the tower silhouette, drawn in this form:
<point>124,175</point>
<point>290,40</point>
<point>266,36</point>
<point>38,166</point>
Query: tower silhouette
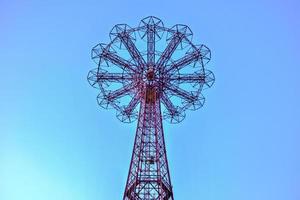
<point>150,73</point>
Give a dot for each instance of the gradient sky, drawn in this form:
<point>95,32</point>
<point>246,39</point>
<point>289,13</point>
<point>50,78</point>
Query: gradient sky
<point>57,144</point>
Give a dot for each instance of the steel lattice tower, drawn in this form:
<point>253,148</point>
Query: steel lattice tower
<point>150,73</point>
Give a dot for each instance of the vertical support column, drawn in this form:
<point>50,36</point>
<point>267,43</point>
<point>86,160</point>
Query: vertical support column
<point>148,177</point>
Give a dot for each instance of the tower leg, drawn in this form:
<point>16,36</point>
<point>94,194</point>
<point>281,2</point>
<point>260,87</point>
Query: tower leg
<point>148,177</point>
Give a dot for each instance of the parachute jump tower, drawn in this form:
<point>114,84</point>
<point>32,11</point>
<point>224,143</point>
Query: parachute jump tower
<point>150,73</point>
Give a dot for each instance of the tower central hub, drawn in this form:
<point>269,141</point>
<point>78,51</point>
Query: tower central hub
<point>150,74</point>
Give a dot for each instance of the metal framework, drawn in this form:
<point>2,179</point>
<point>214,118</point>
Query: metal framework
<point>150,73</point>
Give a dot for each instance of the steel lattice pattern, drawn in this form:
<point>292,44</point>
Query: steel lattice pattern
<point>151,73</point>
<point>175,64</point>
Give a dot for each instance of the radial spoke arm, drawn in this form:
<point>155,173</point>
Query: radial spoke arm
<point>181,93</point>
<point>117,60</point>
<point>133,103</point>
<point>132,49</point>
<point>113,77</point>
<point>111,96</point>
<point>168,104</point>
<point>95,77</point>
<point>168,52</point>
<point>150,45</point>
<point>205,78</point>
<point>184,61</point>
<point>188,78</point>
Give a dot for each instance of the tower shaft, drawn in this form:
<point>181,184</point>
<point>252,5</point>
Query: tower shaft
<point>148,177</point>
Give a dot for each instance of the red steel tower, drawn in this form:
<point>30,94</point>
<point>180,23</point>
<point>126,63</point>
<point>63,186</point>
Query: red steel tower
<point>150,73</point>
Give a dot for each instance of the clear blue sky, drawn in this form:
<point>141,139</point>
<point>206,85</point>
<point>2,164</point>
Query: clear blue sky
<point>57,144</point>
